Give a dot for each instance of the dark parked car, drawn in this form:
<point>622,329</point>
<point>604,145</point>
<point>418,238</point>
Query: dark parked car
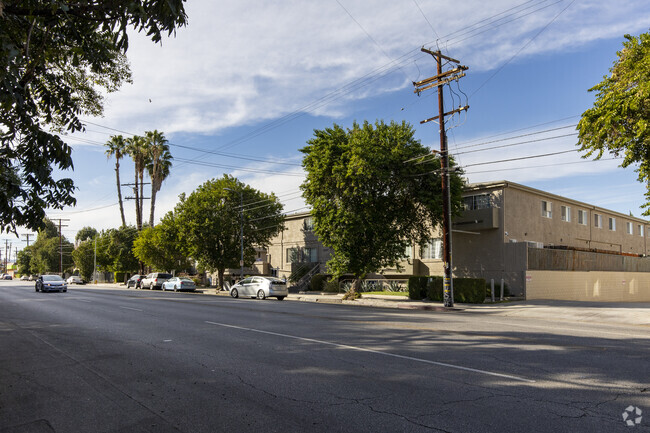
<point>48,283</point>
<point>134,281</point>
<point>154,280</point>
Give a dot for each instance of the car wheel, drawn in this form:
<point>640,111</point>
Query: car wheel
<point>36,287</point>
<point>175,288</point>
<point>234,293</point>
<point>260,294</point>
<point>151,286</point>
<point>280,298</point>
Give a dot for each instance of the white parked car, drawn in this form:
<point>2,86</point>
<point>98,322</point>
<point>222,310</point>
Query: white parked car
<point>179,283</point>
<point>74,279</point>
<point>260,288</point>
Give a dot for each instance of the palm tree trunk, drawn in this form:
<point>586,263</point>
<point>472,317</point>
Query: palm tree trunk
<point>119,191</point>
<point>153,204</point>
<point>141,194</point>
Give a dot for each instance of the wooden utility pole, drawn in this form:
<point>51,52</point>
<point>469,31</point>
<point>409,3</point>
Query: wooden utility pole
<point>439,80</point>
<point>61,243</point>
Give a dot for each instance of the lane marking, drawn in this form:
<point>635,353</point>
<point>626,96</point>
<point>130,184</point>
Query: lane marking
<point>378,352</point>
<point>129,308</point>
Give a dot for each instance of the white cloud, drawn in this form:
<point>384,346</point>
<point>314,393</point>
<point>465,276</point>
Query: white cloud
<point>244,62</point>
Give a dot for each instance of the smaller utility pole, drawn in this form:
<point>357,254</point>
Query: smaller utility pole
<point>27,235</point>
<point>61,243</point>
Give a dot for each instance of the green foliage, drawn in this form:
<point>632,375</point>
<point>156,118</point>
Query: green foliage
<point>160,247</point>
<point>318,282</point>
<point>57,61</point>
<point>46,254</point>
<point>120,277</point>
<point>115,250</point>
<point>211,219</point>
<point>466,290</point>
<point>368,203</point>
<point>24,259</point>
<point>619,120</point>
<point>84,259</point>
<point>85,234</point>
<point>417,287</point>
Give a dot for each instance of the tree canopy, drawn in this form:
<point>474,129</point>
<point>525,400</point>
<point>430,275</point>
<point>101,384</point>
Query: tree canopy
<point>160,247</point>
<point>57,60</point>
<point>211,219</point>
<point>619,121</point>
<point>370,198</point>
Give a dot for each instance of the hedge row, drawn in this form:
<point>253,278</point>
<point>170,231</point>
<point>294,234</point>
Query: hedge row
<point>466,290</point>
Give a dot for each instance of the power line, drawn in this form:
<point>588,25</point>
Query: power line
<point>517,144</point>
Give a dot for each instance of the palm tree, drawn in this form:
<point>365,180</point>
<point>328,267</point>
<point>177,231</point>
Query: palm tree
<point>137,148</point>
<point>158,166</point>
<point>116,147</point>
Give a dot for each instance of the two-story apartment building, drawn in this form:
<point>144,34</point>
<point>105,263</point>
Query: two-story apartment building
<point>491,239</point>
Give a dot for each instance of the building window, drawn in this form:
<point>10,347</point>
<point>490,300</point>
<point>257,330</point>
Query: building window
<point>598,221</point>
<point>547,209</point>
<point>566,213</point>
<point>293,255</point>
<point>408,252</point>
<point>582,217</point>
<point>311,255</point>
<point>612,224</point>
<point>432,249</point>
<point>640,230</point>
<point>308,224</point>
<point>629,228</point>
<point>481,201</point>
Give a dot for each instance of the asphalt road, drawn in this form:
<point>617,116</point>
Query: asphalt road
<point>107,360</point>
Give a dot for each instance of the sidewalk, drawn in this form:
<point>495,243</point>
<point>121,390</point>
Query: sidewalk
<point>635,314</point>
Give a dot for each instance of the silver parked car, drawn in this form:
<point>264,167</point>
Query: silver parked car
<point>74,279</point>
<point>154,280</point>
<point>260,288</point>
<point>179,283</point>
<point>48,283</point>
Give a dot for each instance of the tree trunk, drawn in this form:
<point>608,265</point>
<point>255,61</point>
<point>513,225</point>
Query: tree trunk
<point>119,191</point>
<point>141,194</point>
<point>220,275</point>
<point>153,202</point>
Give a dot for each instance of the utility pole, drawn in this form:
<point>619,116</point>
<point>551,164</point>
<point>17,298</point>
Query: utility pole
<point>139,212</point>
<point>439,80</point>
<point>61,243</point>
<point>27,235</point>
<point>6,254</point>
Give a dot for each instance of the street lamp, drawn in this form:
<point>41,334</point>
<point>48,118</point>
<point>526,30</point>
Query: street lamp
<point>241,231</point>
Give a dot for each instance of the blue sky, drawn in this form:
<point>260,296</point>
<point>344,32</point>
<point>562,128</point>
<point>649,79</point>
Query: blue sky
<point>254,79</point>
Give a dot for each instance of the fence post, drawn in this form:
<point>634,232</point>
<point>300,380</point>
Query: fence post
<point>501,297</point>
<point>492,288</point>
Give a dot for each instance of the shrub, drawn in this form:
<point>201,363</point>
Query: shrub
<point>120,277</point>
<point>466,290</point>
<point>331,286</point>
<point>318,282</point>
<point>417,287</point>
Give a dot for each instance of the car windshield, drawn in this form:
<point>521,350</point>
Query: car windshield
<point>52,278</point>
<point>164,276</point>
<point>276,280</point>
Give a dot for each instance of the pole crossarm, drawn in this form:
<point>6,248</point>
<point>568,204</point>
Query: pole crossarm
<point>457,110</point>
<point>439,83</point>
<point>457,69</point>
<point>438,54</point>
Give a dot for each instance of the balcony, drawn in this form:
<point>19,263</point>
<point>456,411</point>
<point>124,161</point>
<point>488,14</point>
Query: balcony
<point>477,219</point>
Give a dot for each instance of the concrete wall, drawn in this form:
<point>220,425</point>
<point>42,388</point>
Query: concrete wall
<point>588,286</point>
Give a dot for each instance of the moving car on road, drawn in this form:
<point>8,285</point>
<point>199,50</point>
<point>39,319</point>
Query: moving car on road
<point>134,281</point>
<point>154,280</point>
<point>49,283</point>
<point>260,288</point>
<point>179,283</point>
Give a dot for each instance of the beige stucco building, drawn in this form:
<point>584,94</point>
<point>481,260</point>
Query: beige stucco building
<point>507,231</point>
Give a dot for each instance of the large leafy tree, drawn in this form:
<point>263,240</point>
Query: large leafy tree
<point>619,121</point>
<point>116,146</point>
<point>211,219</point>
<point>24,261</point>
<point>370,194</point>
<point>158,165</point>
<point>85,234</point>
<point>117,246</point>
<point>160,248</point>
<point>57,59</point>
